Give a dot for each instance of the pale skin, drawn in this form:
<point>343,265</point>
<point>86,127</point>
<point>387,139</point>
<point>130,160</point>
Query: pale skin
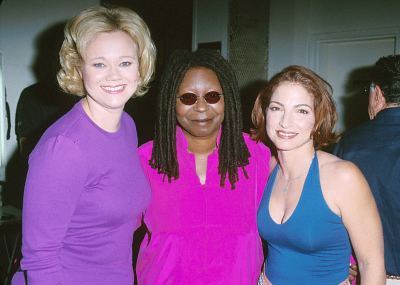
<point>110,74</point>
<point>290,120</point>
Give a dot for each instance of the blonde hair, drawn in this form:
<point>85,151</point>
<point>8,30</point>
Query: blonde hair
<point>81,29</point>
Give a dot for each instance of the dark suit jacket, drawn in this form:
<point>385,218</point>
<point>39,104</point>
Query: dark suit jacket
<point>375,148</point>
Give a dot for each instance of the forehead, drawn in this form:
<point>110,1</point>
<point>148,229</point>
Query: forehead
<point>292,93</point>
<point>200,75</point>
<point>111,43</point>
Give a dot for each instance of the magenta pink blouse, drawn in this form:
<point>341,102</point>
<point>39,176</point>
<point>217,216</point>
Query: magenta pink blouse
<point>203,234</point>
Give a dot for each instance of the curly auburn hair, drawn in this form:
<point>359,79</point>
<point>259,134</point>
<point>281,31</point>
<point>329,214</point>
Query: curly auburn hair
<point>324,106</point>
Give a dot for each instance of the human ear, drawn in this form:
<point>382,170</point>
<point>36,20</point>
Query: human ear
<point>380,99</point>
<point>377,102</point>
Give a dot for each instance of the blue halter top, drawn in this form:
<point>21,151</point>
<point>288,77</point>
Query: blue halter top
<point>312,246</point>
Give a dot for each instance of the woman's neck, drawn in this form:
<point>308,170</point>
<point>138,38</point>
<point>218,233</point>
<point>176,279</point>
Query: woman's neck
<point>107,120</point>
<point>201,145</point>
<point>295,162</point>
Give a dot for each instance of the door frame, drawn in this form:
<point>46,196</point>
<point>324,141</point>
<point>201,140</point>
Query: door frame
<point>317,40</point>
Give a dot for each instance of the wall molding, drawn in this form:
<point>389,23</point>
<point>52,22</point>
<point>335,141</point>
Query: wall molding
<point>316,41</point>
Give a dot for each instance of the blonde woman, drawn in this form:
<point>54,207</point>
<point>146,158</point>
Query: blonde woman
<point>85,191</point>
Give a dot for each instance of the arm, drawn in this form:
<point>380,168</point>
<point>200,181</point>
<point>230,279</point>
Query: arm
<point>54,182</point>
<point>361,219</point>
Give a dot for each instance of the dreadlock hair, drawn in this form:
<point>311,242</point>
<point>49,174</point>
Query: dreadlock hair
<point>232,150</point>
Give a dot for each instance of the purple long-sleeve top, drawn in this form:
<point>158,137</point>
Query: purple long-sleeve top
<point>84,197</point>
<point>203,234</point>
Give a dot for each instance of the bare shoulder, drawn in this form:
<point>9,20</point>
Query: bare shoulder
<point>341,178</point>
<point>336,168</point>
<point>341,181</point>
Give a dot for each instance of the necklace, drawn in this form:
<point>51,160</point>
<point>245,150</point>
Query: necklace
<point>285,188</point>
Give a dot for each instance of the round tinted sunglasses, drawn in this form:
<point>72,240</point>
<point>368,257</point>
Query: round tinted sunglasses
<point>189,99</point>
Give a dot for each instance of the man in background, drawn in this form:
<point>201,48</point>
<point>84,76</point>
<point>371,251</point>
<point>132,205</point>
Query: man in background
<point>375,148</point>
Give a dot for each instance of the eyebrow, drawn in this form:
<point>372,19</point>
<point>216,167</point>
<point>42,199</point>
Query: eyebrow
<point>303,105</point>
<point>298,105</point>
<point>121,57</point>
<point>129,56</point>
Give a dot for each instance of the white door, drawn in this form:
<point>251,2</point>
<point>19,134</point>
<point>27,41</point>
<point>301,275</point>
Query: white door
<point>337,39</point>
<point>3,120</point>
<point>346,64</point>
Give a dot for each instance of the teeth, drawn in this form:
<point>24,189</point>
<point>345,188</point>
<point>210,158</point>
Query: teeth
<point>286,134</point>
<point>113,88</point>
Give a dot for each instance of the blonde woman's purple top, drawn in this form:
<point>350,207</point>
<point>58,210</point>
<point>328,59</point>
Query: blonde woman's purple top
<point>84,197</point>
<point>203,234</point>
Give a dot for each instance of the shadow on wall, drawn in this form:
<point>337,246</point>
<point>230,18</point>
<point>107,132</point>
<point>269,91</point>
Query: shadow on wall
<point>356,102</point>
<point>170,24</point>
<point>248,95</point>
<point>39,105</point>
<point>143,110</point>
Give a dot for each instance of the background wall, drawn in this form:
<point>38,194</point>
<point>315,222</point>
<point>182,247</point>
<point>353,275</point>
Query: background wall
<point>259,37</point>
<point>294,22</point>
<point>248,49</point>
<point>21,23</point>
<point>170,24</point>
<point>339,40</point>
<point>210,23</point>
<point>239,29</point>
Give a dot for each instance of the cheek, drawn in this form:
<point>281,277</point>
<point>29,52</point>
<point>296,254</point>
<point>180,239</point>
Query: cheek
<point>90,77</point>
<point>306,123</point>
<point>181,112</point>
<point>271,119</point>
<point>84,75</point>
<point>133,75</point>
<point>87,81</point>
<point>220,119</point>
<point>220,110</point>
<point>270,122</point>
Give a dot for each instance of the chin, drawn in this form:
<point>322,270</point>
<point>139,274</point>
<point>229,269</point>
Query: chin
<point>291,146</point>
<point>198,133</point>
<point>202,134</point>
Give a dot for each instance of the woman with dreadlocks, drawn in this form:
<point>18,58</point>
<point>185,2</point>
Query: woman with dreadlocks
<point>207,179</point>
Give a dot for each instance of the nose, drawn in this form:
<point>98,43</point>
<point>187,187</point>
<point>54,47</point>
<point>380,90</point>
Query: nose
<point>285,120</point>
<point>113,73</point>
<point>201,104</point>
